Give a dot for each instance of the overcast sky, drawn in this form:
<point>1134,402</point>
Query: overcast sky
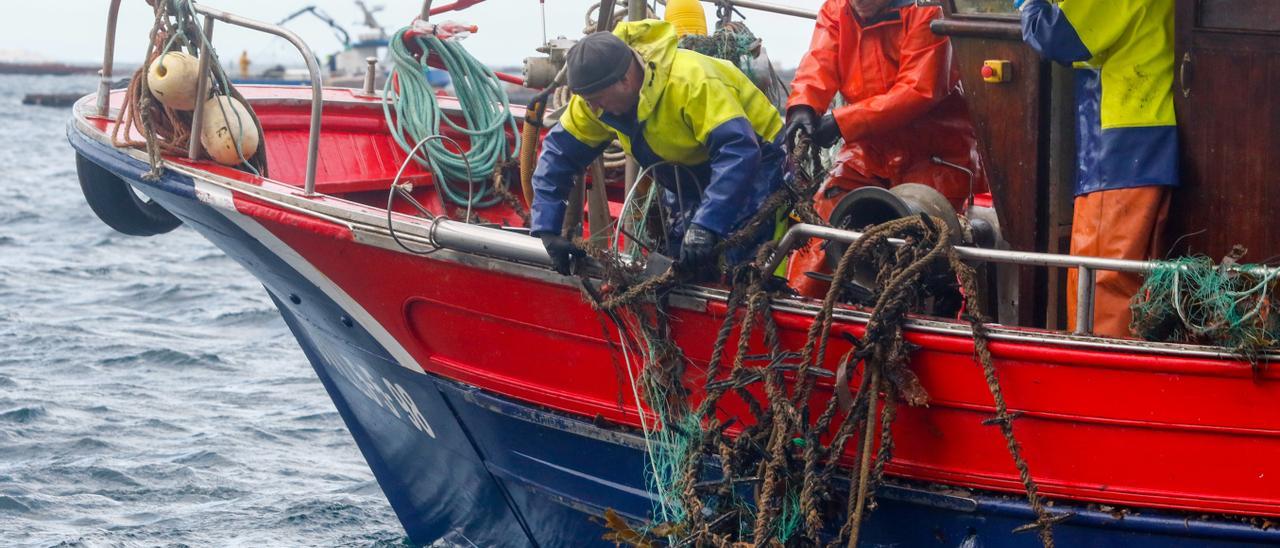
<point>74,30</point>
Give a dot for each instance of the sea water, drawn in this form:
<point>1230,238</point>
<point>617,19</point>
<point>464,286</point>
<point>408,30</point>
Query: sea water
<point>150,394</point>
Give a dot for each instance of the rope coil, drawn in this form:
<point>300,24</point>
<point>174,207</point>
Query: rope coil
<point>413,113</point>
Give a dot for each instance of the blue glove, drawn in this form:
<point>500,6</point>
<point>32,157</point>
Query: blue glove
<point>1019,4</point>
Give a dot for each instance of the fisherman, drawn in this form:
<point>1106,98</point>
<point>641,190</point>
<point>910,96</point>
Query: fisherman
<point>1127,140</point>
<point>903,107</point>
<point>663,104</point>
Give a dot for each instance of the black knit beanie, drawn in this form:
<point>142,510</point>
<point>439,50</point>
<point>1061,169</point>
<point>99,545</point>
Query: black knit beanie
<point>597,62</point>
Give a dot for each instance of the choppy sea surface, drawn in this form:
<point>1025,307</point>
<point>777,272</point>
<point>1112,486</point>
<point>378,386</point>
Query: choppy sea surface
<point>150,394</point>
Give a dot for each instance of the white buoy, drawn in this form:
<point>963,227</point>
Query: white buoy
<point>228,134</point>
<point>173,78</point>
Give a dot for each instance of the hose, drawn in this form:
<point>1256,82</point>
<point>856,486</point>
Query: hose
<point>534,121</point>
<point>486,111</point>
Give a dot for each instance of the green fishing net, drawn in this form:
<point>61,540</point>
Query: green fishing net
<point>1193,300</point>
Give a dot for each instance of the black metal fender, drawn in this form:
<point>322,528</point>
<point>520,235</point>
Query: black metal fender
<point>117,205</point>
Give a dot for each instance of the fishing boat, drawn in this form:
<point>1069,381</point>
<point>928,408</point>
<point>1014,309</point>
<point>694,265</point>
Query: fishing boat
<point>490,397</point>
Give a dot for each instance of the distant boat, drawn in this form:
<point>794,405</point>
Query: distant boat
<point>59,69</point>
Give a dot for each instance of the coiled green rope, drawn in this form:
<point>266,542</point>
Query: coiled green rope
<point>486,113</point>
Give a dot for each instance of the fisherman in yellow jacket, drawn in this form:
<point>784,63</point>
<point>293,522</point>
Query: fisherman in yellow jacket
<point>1127,140</point>
<point>663,104</point>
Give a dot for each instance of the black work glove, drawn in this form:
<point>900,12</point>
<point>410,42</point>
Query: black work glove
<point>799,119</point>
<point>562,252</point>
<point>698,252</point>
<point>827,132</point>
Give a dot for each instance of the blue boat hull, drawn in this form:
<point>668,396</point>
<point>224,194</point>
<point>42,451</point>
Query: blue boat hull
<point>474,467</point>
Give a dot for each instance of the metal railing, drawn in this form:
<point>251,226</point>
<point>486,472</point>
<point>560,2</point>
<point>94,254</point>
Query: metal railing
<point>211,14</point>
<point>1087,266</point>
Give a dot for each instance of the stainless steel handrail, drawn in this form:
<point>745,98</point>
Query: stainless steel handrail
<point>109,55</point>
<point>1087,266</point>
<point>313,69</point>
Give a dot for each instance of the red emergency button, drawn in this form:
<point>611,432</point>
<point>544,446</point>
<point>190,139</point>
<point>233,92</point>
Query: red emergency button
<point>995,71</point>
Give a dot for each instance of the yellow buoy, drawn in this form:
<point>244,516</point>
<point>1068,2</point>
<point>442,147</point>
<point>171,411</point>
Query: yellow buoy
<point>173,78</point>
<point>687,16</point>
<point>228,134</point>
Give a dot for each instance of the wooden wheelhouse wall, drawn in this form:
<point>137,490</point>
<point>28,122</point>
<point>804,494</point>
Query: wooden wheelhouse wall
<point>1226,92</point>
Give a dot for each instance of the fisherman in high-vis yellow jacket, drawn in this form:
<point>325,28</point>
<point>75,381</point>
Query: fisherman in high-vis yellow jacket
<point>663,104</point>
<point>1127,141</point>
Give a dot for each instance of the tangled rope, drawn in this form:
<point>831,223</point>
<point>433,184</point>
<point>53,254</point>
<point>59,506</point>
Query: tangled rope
<point>773,480</point>
<point>166,131</point>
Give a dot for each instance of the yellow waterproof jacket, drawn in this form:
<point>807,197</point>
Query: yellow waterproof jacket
<point>1123,50</point>
<point>693,110</point>
<point>686,95</point>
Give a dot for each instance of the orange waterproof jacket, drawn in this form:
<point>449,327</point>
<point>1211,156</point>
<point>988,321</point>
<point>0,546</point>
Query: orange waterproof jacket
<point>901,89</point>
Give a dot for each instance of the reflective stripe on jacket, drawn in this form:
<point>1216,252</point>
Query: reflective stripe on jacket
<point>1123,52</point>
<point>693,110</point>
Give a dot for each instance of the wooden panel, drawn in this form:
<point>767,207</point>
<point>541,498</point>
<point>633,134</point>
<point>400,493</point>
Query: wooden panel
<point>1230,171</point>
<point>1012,134</point>
<point>1245,15</point>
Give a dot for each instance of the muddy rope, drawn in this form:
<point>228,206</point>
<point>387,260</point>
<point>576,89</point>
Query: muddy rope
<point>769,478</point>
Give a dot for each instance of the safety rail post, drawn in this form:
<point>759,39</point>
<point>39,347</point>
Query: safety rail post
<point>370,75</point>
<point>108,58</point>
<point>1084,300</point>
<point>313,69</point>
<point>194,146</point>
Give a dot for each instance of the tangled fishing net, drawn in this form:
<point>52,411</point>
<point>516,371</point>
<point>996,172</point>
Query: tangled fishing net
<point>1194,300</point>
<point>777,471</point>
<point>735,43</point>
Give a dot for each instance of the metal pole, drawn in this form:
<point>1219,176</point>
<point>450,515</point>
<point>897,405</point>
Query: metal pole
<point>313,69</point>
<point>598,216</point>
<point>635,10</point>
<point>801,233</point>
<point>108,58</point>
<point>370,74</point>
<point>194,147</point>
<point>1084,301</point>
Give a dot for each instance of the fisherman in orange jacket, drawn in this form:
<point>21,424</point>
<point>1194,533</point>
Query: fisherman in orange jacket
<point>903,107</point>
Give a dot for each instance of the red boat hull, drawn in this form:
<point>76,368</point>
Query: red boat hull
<point>1114,422</point>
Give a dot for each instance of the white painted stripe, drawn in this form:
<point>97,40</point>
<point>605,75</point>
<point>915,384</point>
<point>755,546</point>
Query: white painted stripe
<point>215,195</point>
<point>331,289</point>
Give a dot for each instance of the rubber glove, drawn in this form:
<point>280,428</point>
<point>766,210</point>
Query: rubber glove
<point>698,252</point>
<point>799,118</point>
<point>827,133</point>
<point>562,252</point>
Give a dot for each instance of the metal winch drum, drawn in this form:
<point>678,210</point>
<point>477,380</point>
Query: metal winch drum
<point>872,205</point>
